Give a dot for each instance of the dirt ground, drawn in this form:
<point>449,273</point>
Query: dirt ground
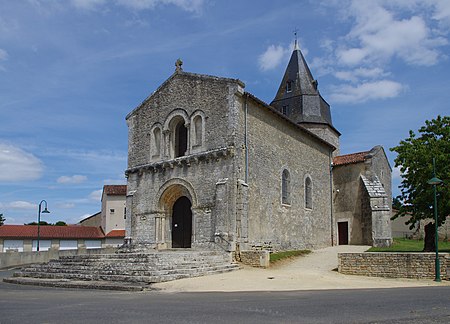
<point>317,270</point>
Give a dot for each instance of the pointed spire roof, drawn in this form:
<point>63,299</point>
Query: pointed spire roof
<point>299,74</point>
<point>298,91</point>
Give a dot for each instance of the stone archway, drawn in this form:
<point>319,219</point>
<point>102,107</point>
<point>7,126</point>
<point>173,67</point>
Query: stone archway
<point>175,223</point>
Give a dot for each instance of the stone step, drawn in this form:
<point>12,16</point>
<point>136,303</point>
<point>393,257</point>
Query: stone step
<point>88,262</point>
<point>118,269</point>
<point>104,285</point>
<point>97,263</point>
<point>168,254</point>
<point>125,264</point>
<point>135,269</point>
<point>152,277</point>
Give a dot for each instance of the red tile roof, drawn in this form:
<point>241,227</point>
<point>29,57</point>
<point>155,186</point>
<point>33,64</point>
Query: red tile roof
<point>116,233</point>
<point>115,190</point>
<point>51,232</point>
<point>350,158</point>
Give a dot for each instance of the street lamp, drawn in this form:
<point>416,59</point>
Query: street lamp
<point>434,182</point>
<point>45,211</point>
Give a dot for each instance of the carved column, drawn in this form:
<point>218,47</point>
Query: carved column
<point>160,230</point>
<point>189,144</point>
<point>166,143</point>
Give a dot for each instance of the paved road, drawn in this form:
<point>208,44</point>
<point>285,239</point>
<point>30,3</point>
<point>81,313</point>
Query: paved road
<point>28,304</point>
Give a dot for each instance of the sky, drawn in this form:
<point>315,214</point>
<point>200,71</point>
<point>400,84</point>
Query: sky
<point>71,70</point>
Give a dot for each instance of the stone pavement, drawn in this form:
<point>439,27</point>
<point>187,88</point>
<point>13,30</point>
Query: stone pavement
<point>314,271</point>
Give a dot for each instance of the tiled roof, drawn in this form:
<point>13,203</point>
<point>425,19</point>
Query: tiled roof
<point>374,187</point>
<point>350,158</point>
<point>116,233</point>
<point>115,190</point>
<point>51,232</point>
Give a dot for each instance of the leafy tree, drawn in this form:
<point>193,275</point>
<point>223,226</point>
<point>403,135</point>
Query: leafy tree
<point>396,203</point>
<point>59,223</point>
<point>415,159</point>
<point>40,223</point>
<point>2,220</point>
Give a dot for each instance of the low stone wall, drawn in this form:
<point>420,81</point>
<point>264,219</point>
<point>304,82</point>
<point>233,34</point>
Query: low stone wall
<point>259,258</point>
<point>393,265</point>
<point>12,259</point>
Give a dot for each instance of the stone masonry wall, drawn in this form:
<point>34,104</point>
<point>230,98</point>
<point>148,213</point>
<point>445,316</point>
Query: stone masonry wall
<point>275,145</point>
<point>260,259</point>
<point>347,198</point>
<point>205,174</point>
<point>183,93</point>
<point>393,265</point>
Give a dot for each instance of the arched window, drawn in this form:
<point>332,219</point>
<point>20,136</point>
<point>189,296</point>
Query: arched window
<point>156,142</point>
<point>180,139</point>
<point>285,188</point>
<point>308,193</point>
<point>198,130</point>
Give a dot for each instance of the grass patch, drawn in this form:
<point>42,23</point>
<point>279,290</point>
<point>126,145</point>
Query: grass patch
<point>277,256</point>
<point>408,245</point>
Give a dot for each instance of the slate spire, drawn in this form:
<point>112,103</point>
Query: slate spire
<point>298,96</point>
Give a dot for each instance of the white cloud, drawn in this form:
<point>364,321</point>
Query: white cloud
<point>366,91</point>
<point>21,205</point>
<point>187,5</point>
<point>442,11</point>
<point>3,55</point>
<point>360,73</point>
<point>118,181</point>
<point>72,179</point>
<point>87,4</point>
<point>351,56</point>
<point>396,173</point>
<point>96,195</point>
<point>18,165</point>
<point>272,57</point>
<point>65,205</point>
<point>381,36</point>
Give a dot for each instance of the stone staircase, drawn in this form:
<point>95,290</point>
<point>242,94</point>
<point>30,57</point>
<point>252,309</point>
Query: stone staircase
<point>124,271</point>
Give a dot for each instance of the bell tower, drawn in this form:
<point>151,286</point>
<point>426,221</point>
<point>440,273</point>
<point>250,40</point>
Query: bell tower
<point>299,99</point>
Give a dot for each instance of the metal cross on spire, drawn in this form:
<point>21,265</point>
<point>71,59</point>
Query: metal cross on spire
<point>295,39</point>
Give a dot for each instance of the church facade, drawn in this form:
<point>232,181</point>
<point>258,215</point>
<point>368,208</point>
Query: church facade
<point>211,166</point>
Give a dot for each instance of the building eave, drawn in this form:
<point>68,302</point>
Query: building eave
<point>280,115</point>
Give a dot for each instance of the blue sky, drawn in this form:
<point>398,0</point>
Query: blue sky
<point>70,71</point>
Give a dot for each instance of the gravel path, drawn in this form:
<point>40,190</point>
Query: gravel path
<point>311,272</point>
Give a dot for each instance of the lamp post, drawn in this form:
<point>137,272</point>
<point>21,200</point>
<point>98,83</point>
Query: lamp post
<point>434,182</point>
<point>45,211</point>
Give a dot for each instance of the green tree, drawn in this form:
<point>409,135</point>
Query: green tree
<point>40,223</point>
<point>415,160</point>
<point>2,220</point>
<point>58,223</point>
<point>396,203</point>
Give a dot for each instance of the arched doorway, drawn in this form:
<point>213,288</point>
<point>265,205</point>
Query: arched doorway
<point>181,223</point>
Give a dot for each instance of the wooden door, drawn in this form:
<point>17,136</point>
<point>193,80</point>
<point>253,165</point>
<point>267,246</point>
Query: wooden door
<point>343,233</point>
<point>182,223</point>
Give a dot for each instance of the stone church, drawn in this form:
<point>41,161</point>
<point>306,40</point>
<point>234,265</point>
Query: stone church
<point>211,166</point>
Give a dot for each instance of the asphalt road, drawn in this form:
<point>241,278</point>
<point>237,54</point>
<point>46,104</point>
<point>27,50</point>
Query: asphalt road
<point>28,304</point>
